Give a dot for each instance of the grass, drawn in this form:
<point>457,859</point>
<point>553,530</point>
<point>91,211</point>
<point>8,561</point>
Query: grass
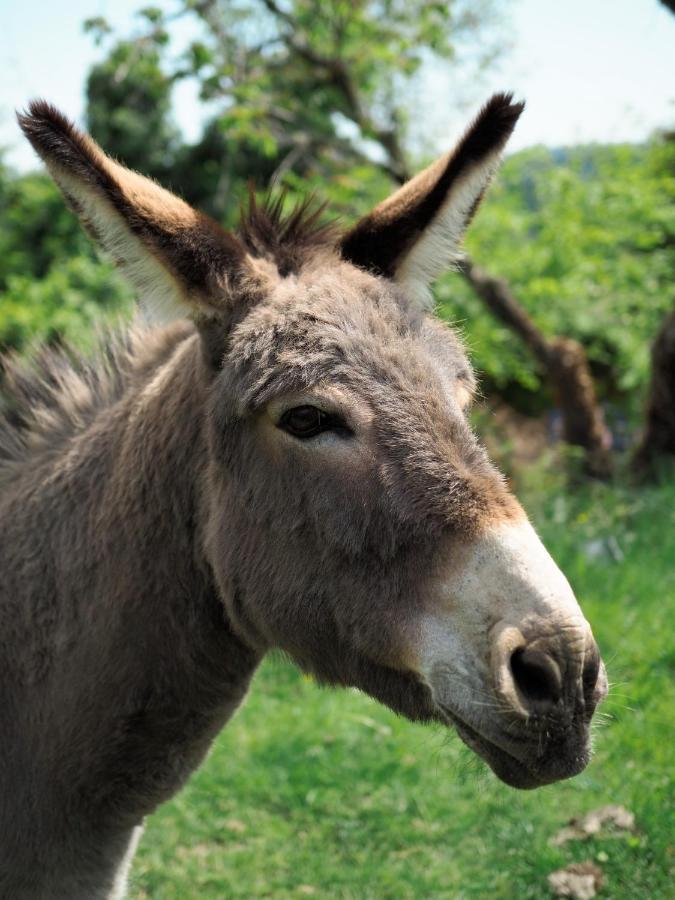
<point>310,792</point>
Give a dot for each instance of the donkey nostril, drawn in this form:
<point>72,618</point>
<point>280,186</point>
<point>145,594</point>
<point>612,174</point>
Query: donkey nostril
<point>591,674</point>
<point>537,677</point>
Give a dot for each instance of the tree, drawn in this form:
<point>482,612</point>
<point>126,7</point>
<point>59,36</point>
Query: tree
<point>313,86</point>
<point>593,227</point>
<point>52,287</point>
<point>129,100</point>
<point>658,436</point>
<point>565,363</point>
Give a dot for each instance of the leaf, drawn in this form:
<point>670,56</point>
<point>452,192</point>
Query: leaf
<point>153,14</point>
<point>97,26</point>
<point>201,55</point>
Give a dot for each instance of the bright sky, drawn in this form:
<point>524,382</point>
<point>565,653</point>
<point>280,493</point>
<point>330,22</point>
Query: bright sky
<point>590,70</point>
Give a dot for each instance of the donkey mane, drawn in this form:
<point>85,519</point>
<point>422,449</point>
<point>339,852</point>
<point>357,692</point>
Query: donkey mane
<point>290,236</point>
<point>57,392</point>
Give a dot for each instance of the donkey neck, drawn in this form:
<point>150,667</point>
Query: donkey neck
<point>121,666</point>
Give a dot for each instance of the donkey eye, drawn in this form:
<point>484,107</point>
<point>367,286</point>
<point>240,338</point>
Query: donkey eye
<point>308,421</point>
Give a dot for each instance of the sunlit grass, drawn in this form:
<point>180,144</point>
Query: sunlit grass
<point>310,792</point>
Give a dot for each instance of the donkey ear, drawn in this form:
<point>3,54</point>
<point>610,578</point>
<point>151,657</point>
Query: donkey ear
<point>414,235</point>
<point>178,260</point>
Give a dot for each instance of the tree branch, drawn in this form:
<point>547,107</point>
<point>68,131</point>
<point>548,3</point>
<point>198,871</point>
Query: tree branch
<point>565,365</point>
<point>497,296</point>
<point>340,77</point>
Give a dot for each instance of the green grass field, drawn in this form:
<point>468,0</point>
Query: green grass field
<point>311,792</point>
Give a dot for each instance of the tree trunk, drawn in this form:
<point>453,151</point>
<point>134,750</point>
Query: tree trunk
<point>565,366</point>
<point>658,436</point>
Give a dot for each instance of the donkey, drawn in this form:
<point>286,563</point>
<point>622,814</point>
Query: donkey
<point>279,457</point>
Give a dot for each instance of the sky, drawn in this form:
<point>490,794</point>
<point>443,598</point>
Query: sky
<point>589,70</point>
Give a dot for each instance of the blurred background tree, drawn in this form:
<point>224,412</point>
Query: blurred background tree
<point>52,284</point>
<point>129,106</point>
<point>306,89</point>
<point>658,434</point>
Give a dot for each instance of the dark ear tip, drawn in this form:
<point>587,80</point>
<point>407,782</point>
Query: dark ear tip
<point>494,124</point>
<point>42,120</point>
<point>504,100</point>
<point>501,107</point>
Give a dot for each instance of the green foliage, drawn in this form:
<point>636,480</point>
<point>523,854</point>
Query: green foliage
<point>313,96</point>
<point>314,792</point>
<point>214,173</point>
<point>128,106</point>
<point>282,81</point>
<point>280,68</point>
<point>584,239</point>
<point>52,285</point>
<point>68,304</point>
<point>36,228</point>
<point>304,87</point>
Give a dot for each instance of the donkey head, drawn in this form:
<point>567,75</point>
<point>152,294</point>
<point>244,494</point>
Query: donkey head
<point>351,518</point>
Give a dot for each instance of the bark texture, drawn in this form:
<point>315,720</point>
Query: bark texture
<point>565,365</point>
<point>658,436</point>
